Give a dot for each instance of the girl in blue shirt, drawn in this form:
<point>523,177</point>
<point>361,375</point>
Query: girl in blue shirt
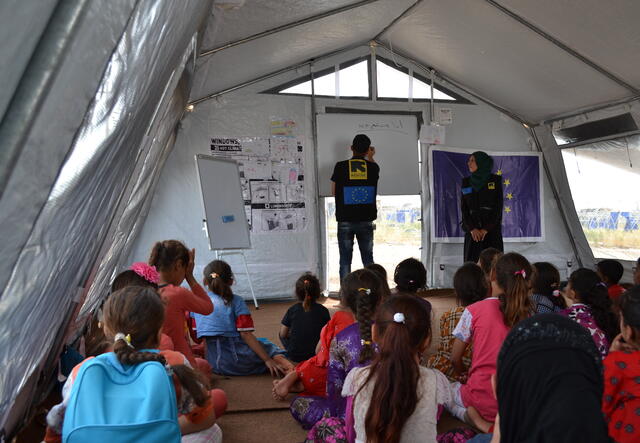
<point>231,347</point>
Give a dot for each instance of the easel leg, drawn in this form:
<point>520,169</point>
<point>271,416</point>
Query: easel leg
<point>219,256</point>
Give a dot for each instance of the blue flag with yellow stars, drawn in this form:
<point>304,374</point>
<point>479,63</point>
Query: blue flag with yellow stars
<point>522,215</point>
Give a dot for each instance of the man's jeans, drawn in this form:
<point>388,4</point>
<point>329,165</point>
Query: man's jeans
<point>363,231</point>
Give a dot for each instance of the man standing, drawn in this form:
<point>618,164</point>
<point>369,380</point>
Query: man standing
<point>354,184</point>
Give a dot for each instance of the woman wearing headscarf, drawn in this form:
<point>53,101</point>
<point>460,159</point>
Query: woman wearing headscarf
<point>549,384</point>
<point>481,207</point>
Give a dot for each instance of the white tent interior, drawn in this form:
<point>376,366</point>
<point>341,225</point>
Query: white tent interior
<point>105,104</point>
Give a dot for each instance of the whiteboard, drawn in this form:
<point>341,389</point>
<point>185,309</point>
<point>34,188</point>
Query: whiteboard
<point>395,138</point>
<point>221,194</point>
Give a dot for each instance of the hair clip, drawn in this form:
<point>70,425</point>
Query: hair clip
<point>306,282</point>
<point>556,293</point>
<point>412,281</point>
<point>398,317</point>
<point>149,273</point>
<point>603,284</point>
<point>365,290</point>
<point>214,275</point>
<point>365,342</point>
<point>521,272</point>
<point>126,338</point>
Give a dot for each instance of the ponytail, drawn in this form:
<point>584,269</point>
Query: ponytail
<point>218,277</point>
<point>513,275</point>
<point>307,290</point>
<point>403,323</point>
<point>593,292</point>
<point>137,313</point>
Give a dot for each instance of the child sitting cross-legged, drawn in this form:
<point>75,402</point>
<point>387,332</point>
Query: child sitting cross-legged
<point>395,399</point>
<point>302,323</point>
<point>135,392</point>
<point>231,347</point>
<point>470,286</point>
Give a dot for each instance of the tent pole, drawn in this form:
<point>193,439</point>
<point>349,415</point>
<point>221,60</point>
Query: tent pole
<point>442,77</point>
<point>405,13</point>
<point>273,74</point>
<point>562,46</point>
<point>34,85</point>
<point>285,27</point>
<point>556,195</point>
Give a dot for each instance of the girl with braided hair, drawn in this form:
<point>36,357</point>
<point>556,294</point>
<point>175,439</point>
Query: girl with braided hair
<point>302,323</point>
<point>133,318</point>
<point>361,291</point>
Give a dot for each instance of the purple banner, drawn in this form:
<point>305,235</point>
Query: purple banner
<point>521,214</point>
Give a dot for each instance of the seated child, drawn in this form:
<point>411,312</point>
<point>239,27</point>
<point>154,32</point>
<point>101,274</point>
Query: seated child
<point>395,399</point>
<point>382,273</point>
<point>610,272</point>
<point>621,401</point>
<point>546,289</point>
<point>302,323</point>
<point>133,317</point>
<point>361,291</point>
<point>471,286</point>
<point>310,376</point>
<point>175,264</point>
<point>410,276</point>
<point>231,347</point>
<point>590,306</point>
<point>485,261</point>
<point>486,324</point>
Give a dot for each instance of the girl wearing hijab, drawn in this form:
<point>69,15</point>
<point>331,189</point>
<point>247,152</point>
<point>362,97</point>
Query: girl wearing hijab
<point>549,384</point>
<point>481,206</point>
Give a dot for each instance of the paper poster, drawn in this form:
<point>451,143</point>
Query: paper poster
<point>283,127</point>
<point>445,116</point>
<point>432,134</point>
<point>271,177</point>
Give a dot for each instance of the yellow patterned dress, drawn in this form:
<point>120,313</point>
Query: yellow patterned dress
<point>441,359</point>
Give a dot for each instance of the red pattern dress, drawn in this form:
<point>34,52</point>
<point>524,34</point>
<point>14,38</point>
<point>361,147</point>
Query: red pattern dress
<point>621,400</point>
<point>441,360</point>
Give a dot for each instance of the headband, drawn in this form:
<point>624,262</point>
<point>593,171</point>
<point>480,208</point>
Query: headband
<point>149,273</point>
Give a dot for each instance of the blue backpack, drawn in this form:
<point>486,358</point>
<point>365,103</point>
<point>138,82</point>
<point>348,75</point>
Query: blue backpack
<point>111,402</point>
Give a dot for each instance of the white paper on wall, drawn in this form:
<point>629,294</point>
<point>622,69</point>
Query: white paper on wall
<point>272,180</point>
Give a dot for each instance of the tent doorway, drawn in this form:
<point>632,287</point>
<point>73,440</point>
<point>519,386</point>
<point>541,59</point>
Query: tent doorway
<point>398,236</point>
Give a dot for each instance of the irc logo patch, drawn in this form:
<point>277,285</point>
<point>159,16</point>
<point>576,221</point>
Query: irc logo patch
<point>357,170</point>
<point>359,195</point>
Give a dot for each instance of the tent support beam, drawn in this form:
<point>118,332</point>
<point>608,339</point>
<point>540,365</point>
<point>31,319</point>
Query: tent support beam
<point>285,27</point>
<point>611,104</point>
<point>405,13</point>
<point>273,74</point>
<point>457,85</point>
<point>562,46</point>
<point>556,196</point>
<point>34,86</point>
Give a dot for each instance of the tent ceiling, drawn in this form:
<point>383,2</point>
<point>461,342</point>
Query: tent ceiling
<point>607,33</point>
<point>472,42</point>
<point>258,16</point>
<point>499,58</point>
<point>276,51</point>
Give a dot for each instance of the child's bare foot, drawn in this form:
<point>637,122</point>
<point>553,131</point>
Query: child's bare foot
<point>284,363</point>
<point>279,391</point>
<point>473,417</point>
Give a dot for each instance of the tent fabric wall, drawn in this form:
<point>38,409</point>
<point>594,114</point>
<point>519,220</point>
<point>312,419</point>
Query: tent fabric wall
<point>20,37</point>
<point>275,261</point>
<point>49,277</point>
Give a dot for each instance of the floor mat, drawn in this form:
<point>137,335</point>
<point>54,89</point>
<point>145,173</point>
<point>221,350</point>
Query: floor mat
<point>250,393</point>
<point>261,427</point>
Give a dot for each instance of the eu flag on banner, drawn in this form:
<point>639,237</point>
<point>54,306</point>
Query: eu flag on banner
<point>359,195</point>
<point>522,207</point>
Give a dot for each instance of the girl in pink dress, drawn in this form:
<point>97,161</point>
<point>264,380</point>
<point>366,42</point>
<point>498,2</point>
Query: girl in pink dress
<point>486,324</point>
